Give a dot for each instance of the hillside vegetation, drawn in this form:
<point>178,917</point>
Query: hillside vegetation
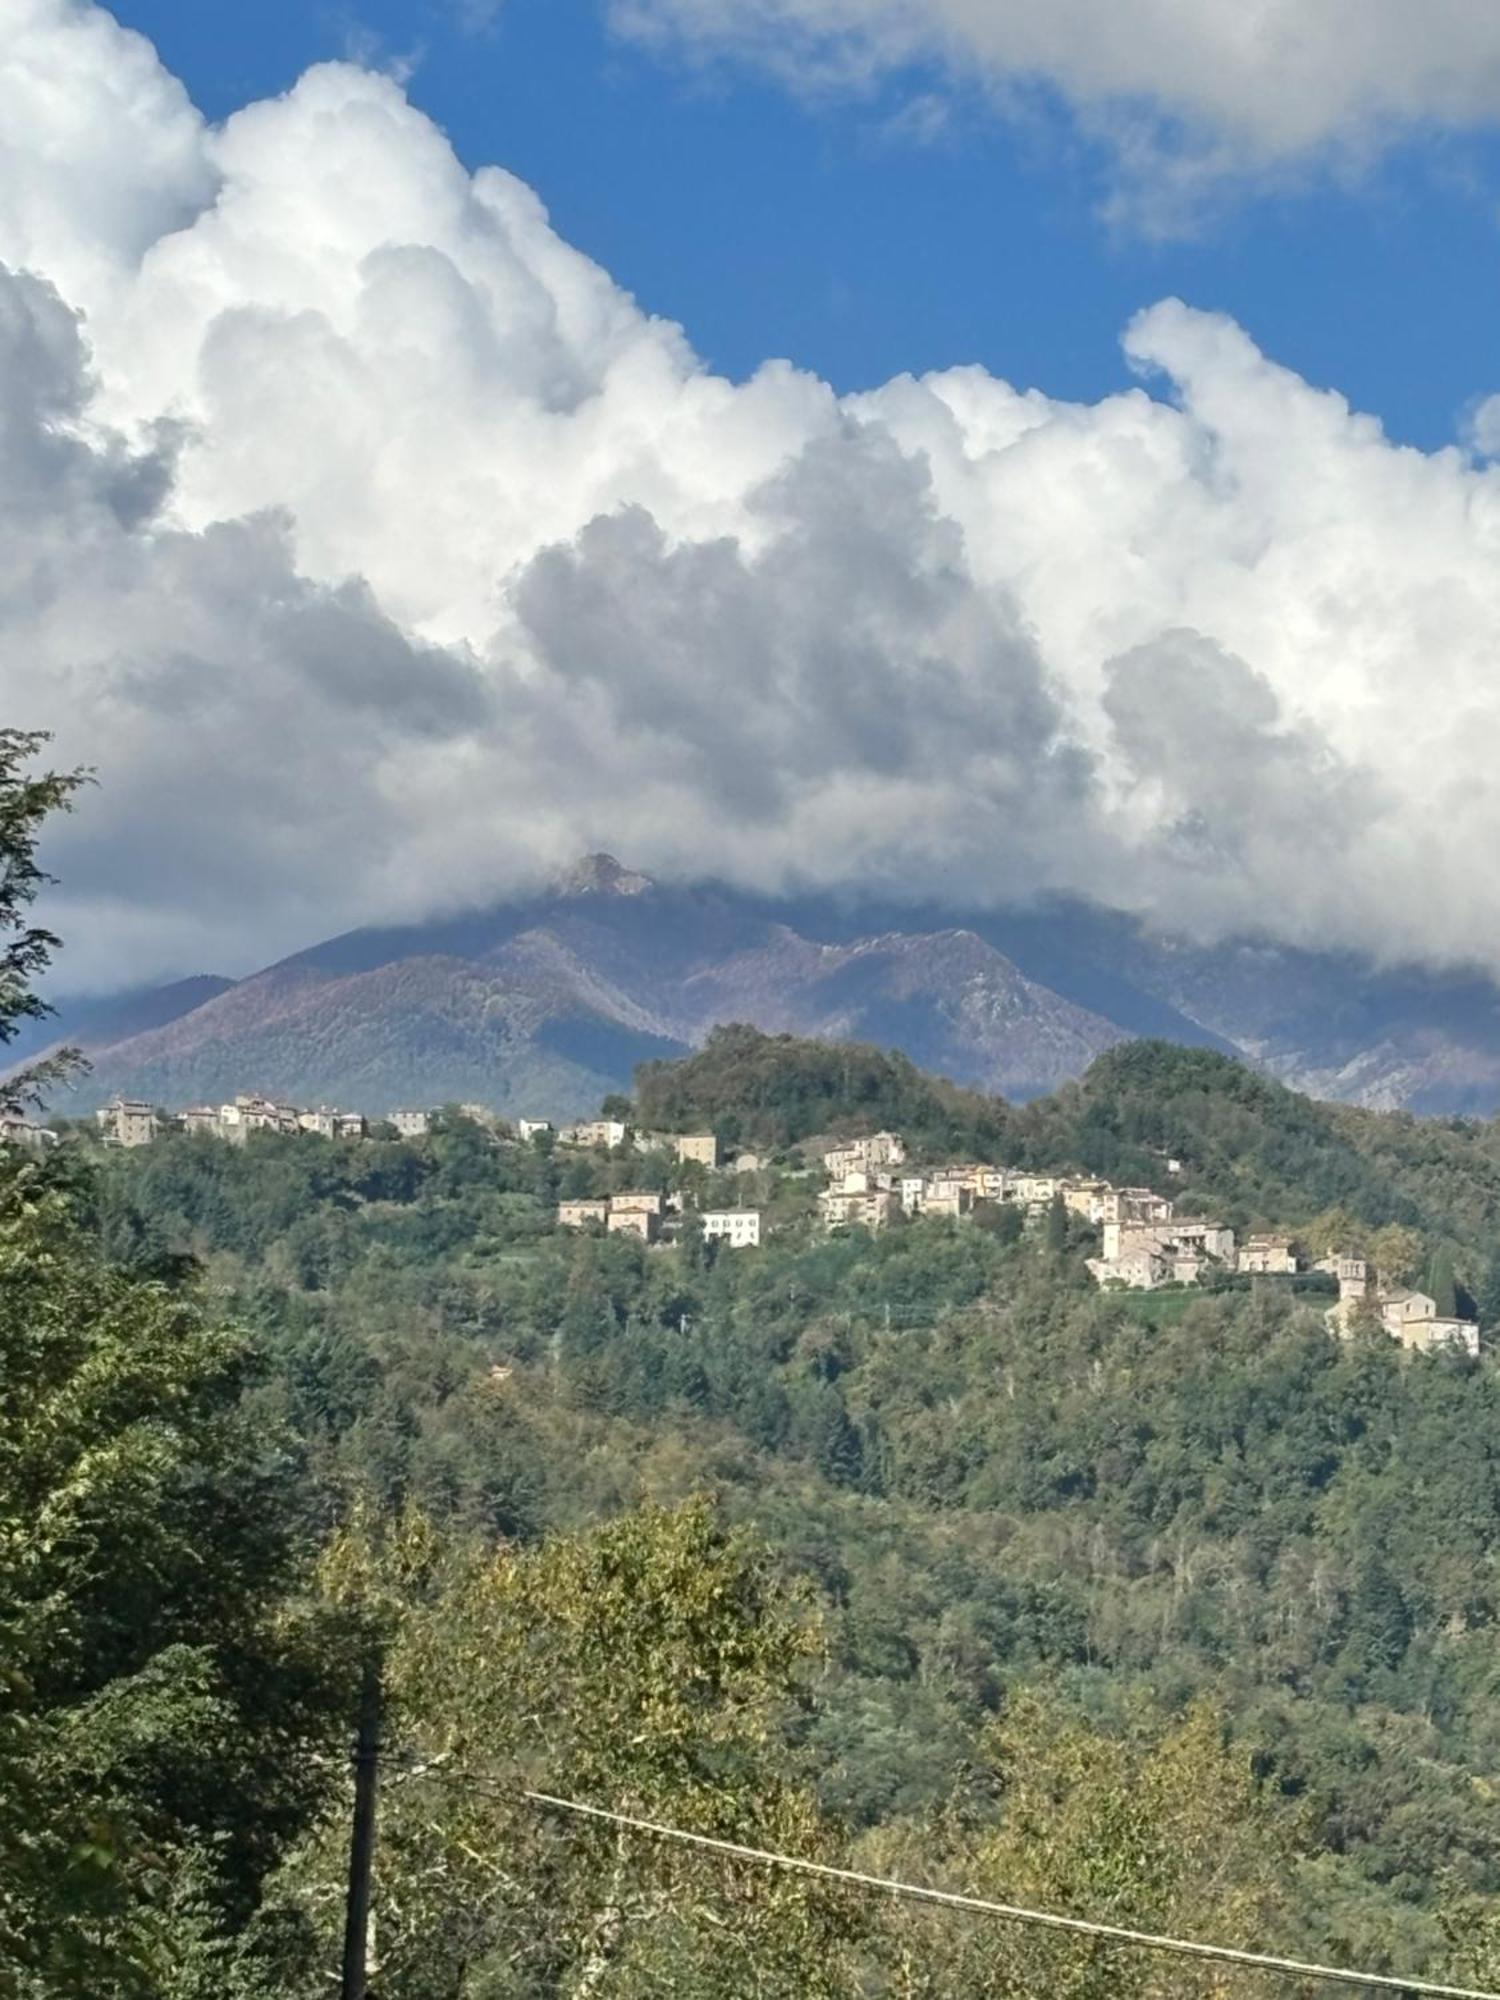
<point>916,1551</point>
<point>1129,1528</point>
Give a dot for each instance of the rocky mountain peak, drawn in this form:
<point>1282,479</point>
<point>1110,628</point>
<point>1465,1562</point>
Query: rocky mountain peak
<point>602,875</point>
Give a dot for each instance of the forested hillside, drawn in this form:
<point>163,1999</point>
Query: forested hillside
<point>914,1550</point>
<point>981,1476</point>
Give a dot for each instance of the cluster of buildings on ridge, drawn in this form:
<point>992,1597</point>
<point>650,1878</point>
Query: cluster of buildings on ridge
<point>653,1217</point>
<point>1144,1244</point>
<point>658,1218</point>
<point>1411,1317</point>
<point>866,1187</point>
<point>16,1130</point>
<point>132,1121</point>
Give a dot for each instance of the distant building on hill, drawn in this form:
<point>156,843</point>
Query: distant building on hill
<point>1087,1199</point>
<point>856,1209</point>
<point>411,1124</point>
<point>642,1222</point>
<point>607,1132</point>
<point>1137,1271</point>
<point>18,1131</point>
<point>1408,1316</point>
<point>700,1146</point>
<point>952,1198</point>
<point>250,1112</point>
<point>1143,1255</point>
<point>128,1121</point>
<point>1209,1239</point>
<point>878,1149</point>
<point>738,1227</point>
<point>1134,1204</point>
<point>1268,1256</point>
<point>582,1214</point>
<point>528,1129</point>
<point>646,1202</point>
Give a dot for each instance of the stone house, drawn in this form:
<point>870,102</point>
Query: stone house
<point>1086,1199</point>
<point>953,1198</point>
<point>1408,1316</point>
<point>252,1113</point>
<point>878,1149</point>
<point>1268,1256</point>
<point>582,1214</point>
<point>411,1124</point>
<point>870,1210</point>
<point>642,1222</point>
<point>1134,1205</point>
<point>1141,1270</point>
<point>128,1121</point>
<point>1209,1239</point>
<point>700,1146</point>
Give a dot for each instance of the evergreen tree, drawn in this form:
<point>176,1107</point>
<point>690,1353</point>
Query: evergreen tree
<point>1057,1225</point>
<point>1441,1284</point>
<point>27,800</point>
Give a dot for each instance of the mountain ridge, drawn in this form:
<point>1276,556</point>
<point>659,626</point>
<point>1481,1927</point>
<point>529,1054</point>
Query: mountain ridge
<point>546,1002</point>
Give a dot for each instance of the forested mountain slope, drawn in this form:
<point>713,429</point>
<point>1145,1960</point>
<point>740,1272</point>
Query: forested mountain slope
<point>987,1475</point>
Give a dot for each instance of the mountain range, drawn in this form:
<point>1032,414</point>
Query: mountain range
<point>544,1004</point>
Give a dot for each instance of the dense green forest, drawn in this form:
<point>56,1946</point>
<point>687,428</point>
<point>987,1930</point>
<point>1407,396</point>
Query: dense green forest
<point>913,1550</point>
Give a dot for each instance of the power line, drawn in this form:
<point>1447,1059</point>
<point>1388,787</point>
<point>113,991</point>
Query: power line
<point>1080,1926</point>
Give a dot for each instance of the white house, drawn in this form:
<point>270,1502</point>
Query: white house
<point>606,1132</point>
<point>738,1227</point>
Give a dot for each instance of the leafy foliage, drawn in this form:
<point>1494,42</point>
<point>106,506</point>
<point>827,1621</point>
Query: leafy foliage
<point>773,1090</point>
<point>654,1662</point>
<point>1254,1568</point>
<point>164,1689</point>
<point>27,798</point>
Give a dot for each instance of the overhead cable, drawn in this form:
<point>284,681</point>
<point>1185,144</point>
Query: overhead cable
<point>1222,1954</point>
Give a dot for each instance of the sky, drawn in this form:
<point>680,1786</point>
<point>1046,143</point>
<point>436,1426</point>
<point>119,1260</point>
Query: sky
<point>907,225</point>
<point>947,447</point>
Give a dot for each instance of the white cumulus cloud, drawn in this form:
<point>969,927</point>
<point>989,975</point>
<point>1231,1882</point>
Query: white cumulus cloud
<point>1188,95</point>
<point>382,554</point>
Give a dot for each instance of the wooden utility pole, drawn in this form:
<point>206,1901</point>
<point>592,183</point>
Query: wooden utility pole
<point>354,1984</point>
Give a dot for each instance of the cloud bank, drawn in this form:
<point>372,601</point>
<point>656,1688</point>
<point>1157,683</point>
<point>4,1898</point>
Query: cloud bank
<point>1186,97</point>
<point>382,554</point>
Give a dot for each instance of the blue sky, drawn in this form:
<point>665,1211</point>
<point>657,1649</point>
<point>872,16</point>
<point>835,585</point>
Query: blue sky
<point>772,225</point>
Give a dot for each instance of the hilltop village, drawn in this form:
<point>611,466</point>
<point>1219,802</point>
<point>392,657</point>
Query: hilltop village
<point>869,1182</point>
